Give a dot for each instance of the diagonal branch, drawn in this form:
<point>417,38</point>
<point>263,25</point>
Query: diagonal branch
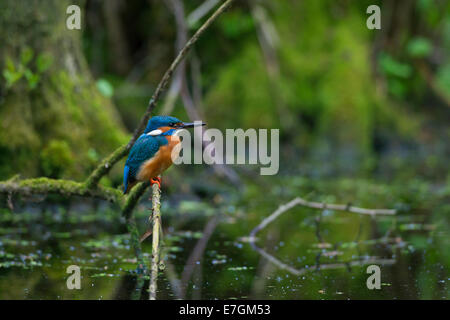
<point>182,33</point>
<point>106,165</point>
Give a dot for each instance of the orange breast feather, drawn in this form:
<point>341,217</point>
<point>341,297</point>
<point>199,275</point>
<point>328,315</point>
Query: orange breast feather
<point>160,161</point>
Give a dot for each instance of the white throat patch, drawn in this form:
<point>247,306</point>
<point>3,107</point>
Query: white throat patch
<point>156,132</point>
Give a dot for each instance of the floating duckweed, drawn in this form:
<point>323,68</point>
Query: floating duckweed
<point>101,275</point>
<point>240,268</point>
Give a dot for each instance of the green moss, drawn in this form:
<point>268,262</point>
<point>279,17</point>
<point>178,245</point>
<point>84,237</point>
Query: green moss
<point>64,118</point>
<point>61,187</point>
<point>56,158</point>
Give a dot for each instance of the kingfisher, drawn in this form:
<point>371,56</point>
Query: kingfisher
<point>151,154</point>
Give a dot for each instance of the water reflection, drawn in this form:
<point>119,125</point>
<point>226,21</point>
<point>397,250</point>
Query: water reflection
<point>318,266</point>
<point>304,254</point>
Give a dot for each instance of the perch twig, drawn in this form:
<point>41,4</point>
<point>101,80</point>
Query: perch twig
<point>156,212</point>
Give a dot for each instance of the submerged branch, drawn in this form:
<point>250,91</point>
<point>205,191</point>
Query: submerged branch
<point>317,205</point>
<point>297,272</point>
<point>134,234</point>
<point>196,254</point>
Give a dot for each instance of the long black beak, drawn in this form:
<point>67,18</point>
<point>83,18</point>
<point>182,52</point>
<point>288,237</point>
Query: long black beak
<point>192,124</point>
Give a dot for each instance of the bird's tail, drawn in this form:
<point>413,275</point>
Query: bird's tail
<point>126,172</point>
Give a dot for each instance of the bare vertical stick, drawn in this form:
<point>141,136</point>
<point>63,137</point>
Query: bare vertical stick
<point>156,208</point>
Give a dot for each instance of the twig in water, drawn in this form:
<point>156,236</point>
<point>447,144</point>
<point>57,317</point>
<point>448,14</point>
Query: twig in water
<point>297,272</point>
<point>197,253</point>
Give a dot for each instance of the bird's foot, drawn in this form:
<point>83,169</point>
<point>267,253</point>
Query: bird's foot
<point>156,180</point>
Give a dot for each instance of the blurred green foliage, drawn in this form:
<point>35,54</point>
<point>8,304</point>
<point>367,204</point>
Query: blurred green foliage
<point>56,158</point>
<point>336,89</point>
<point>13,73</point>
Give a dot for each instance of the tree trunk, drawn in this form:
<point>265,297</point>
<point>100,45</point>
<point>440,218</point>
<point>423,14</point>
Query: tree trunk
<point>53,120</point>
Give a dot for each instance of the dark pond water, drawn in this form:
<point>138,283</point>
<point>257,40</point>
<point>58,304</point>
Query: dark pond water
<point>304,254</point>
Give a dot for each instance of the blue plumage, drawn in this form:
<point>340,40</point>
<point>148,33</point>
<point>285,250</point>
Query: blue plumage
<point>146,147</point>
<point>126,171</point>
<point>161,121</point>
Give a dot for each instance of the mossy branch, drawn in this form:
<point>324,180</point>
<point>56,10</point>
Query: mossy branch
<point>67,188</point>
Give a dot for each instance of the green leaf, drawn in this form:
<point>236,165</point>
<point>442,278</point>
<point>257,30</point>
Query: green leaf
<point>33,79</point>
<point>397,87</point>
<point>43,62</point>
<point>236,23</point>
<point>93,155</point>
<point>419,47</point>
<point>10,64</point>
<point>105,88</point>
<point>395,68</point>
<point>443,77</point>
<point>26,56</point>
<point>11,77</point>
